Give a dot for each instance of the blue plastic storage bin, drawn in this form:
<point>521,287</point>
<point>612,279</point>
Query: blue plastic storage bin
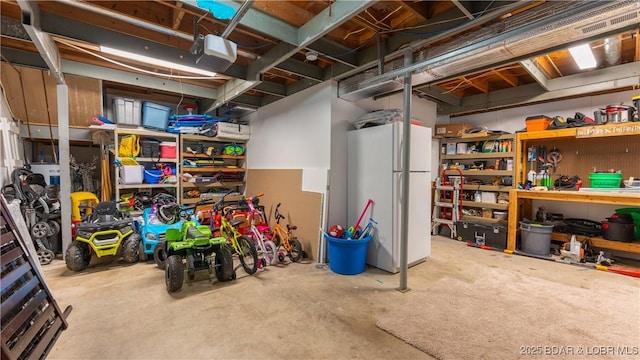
<point>347,257</point>
<point>155,116</point>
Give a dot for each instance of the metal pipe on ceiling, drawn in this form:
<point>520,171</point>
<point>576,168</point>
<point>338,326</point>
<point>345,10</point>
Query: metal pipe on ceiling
<point>462,9</point>
<point>612,50</point>
<point>143,24</point>
<point>477,22</point>
<point>236,18</point>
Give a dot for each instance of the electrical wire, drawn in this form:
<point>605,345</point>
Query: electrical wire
<point>405,32</point>
<point>170,76</point>
<point>6,100</point>
<point>257,46</point>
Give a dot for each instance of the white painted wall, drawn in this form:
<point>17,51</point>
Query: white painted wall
<point>308,131</point>
<point>292,133</point>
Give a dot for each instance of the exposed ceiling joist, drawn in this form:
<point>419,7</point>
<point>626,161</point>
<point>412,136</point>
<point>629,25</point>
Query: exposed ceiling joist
<point>438,94</point>
<point>43,41</point>
<point>271,89</point>
<point>301,69</point>
<point>476,84</point>
<point>321,24</point>
<point>146,81</point>
<point>229,91</point>
<point>538,75</point>
<point>261,22</point>
<point>437,28</point>
<point>335,51</point>
<point>510,79</point>
<point>420,65</point>
<point>178,14</point>
<point>609,79</point>
<point>76,30</point>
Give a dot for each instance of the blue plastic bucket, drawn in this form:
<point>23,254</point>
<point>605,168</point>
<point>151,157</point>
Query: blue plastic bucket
<point>152,176</point>
<point>347,257</point>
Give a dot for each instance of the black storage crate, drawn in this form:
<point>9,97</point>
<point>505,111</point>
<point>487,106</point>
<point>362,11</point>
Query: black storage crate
<point>150,149</point>
<point>482,233</point>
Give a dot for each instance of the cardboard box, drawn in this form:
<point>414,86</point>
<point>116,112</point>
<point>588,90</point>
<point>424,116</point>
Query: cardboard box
<point>451,130</point>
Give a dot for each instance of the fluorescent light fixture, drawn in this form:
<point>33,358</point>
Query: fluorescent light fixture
<point>583,56</point>
<point>154,61</point>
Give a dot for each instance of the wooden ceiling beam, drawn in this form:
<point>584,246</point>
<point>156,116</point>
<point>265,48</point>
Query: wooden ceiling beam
<point>510,79</point>
<point>482,87</point>
<point>418,9</point>
<point>402,20</point>
<point>284,10</point>
<point>637,56</point>
<point>178,14</point>
<point>545,64</point>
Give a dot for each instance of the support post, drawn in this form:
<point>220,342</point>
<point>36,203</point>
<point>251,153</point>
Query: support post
<point>406,148</point>
<point>65,172</point>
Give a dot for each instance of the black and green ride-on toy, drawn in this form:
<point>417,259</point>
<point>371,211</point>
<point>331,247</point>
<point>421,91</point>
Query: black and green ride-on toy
<point>194,246</point>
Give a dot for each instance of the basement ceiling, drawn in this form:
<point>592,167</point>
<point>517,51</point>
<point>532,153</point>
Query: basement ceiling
<point>468,56</point>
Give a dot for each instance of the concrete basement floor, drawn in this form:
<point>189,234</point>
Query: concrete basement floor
<point>292,311</point>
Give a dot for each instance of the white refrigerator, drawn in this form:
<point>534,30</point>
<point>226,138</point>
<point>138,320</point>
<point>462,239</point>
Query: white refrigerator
<point>374,160</point>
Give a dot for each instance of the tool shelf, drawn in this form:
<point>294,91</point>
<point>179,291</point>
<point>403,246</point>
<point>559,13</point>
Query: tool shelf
<point>604,146</point>
<point>465,151</point>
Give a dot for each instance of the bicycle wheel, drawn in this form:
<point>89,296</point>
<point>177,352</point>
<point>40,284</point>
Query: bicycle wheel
<point>276,239</point>
<point>248,256</point>
<point>271,252</point>
<point>224,264</point>
<point>296,250</point>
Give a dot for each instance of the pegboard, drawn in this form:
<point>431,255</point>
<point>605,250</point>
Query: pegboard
<point>582,156</point>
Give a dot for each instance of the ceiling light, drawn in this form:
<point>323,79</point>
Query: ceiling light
<point>154,61</point>
<point>583,56</point>
<point>311,56</point>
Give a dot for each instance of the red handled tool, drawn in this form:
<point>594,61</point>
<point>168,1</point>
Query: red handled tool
<point>355,227</point>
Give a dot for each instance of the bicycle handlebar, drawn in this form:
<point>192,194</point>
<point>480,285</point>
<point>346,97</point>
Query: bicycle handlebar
<point>254,200</point>
<point>218,205</point>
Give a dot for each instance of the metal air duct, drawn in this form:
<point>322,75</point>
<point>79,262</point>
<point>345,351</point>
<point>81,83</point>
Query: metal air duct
<point>550,25</point>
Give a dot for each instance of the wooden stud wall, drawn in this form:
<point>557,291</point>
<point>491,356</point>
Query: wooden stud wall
<point>32,96</point>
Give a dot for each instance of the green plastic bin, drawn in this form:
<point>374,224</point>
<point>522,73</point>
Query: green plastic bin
<point>605,180</point>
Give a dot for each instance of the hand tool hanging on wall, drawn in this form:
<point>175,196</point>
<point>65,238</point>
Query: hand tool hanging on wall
<point>554,157</point>
<point>542,155</point>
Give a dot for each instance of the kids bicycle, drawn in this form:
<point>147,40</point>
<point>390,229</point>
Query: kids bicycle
<point>242,245</point>
<point>266,247</point>
<point>284,238</point>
